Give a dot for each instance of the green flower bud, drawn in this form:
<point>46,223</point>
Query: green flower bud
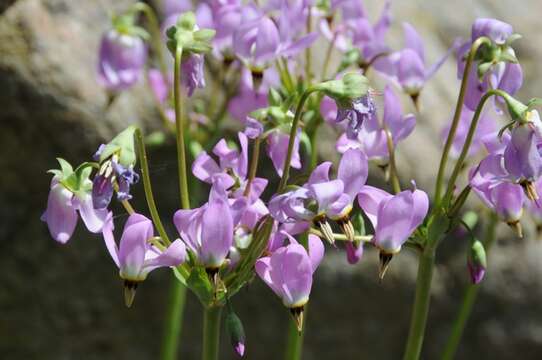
<point>344,91</point>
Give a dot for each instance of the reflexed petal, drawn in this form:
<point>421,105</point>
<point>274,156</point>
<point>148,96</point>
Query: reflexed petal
<point>508,200</point>
<point>394,222</point>
<point>204,167</point>
<point>216,233</point>
<point>133,246</point>
<point>353,171</point>
<point>60,214</point>
<point>411,71</point>
<point>326,193</point>
<point>267,41</point>
<point>94,219</point>
<point>413,41</point>
<point>369,199</point>
<point>174,255</point>
<point>109,239</point>
<point>320,174</point>
<point>316,251</point>
<point>293,267</point>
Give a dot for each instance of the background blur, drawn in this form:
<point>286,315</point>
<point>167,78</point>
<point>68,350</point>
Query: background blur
<point>65,302</point>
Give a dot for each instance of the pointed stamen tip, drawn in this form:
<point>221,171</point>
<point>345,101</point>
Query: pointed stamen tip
<point>347,228</point>
<point>385,260</point>
<point>517,228</point>
<point>240,349</point>
<point>130,288</point>
<point>416,100</point>
<point>297,313</point>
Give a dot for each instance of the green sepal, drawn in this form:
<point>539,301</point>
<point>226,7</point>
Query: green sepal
<point>534,102</point>
<point>77,181</point>
<point>185,35</point>
<point>517,109</point>
<point>512,38</point>
<point>350,87</point>
<point>123,145</point>
<point>199,283</point>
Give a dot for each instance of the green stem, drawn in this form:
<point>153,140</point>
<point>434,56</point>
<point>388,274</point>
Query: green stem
<point>457,114</point>
<point>253,165</point>
<point>469,298</point>
<point>156,34</point>
<point>179,133</point>
<point>148,187</point>
<point>421,304</point>
<point>174,320</point>
<point>294,339</point>
<point>394,178</point>
<point>308,56</point>
<point>466,146</point>
<point>211,332</point>
<point>328,55</point>
<point>342,237</point>
<point>293,134</point>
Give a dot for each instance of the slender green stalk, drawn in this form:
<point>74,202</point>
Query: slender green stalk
<point>294,339</point>
<point>308,56</point>
<point>128,207</point>
<point>174,320</point>
<point>467,144</point>
<point>179,133</point>
<point>469,298</point>
<point>342,237</point>
<point>421,304</point>
<point>148,187</point>
<point>394,178</point>
<point>253,165</point>
<point>457,114</point>
<point>156,34</point>
<point>329,51</point>
<point>211,332</point>
<point>293,133</point>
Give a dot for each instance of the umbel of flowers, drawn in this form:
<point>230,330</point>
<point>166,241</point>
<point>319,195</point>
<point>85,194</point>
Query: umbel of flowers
<point>270,225</point>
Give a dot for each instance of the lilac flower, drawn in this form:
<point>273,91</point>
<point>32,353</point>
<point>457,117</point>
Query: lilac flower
<point>158,84</point>
<point>208,230</point>
<point>171,7</point>
<point>372,138</point>
<point>227,16</point>
<point>489,182</point>
<point>135,256</point>
<point>192,72</point>
<point>394,218</point>
<point>121,60</point>
<point>61,213</point>
<point>288,272</point>
<point>486,127</point>
<point>231,168</point>
<point>112,173</point>
<point>522,158</point>
<point>277,147</point>
<point>321,197</point>
<point>355,113</point>
<point>355,30</point>
<point>407,67</point>
<point>256,40</point>
<point>501,75</point>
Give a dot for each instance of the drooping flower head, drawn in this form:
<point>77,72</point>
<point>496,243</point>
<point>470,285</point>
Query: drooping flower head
<point>288,272</point>
<point>122,55</point>
<point>69,195</point>
<point>136,256</point>
<point>394,218</point>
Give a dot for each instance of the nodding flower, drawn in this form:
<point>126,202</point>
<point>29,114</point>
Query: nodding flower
<point>136,255</point>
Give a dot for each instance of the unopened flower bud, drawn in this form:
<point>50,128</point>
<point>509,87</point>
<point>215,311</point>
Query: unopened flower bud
<point>235,329</point>
<point>476,262</point>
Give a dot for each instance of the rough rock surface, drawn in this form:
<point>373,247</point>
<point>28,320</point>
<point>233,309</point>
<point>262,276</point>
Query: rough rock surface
<point>64,302</point>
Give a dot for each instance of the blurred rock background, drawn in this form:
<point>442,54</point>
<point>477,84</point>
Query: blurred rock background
<point>64,302</point>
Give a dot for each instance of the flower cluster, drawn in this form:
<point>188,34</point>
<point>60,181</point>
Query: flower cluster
<point>244,228</point>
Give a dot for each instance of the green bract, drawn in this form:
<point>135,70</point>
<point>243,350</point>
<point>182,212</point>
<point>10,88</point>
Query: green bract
<point>123,146</point>
<point>76,180</point>
<point>352,86</point>
<point>185,35</point>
